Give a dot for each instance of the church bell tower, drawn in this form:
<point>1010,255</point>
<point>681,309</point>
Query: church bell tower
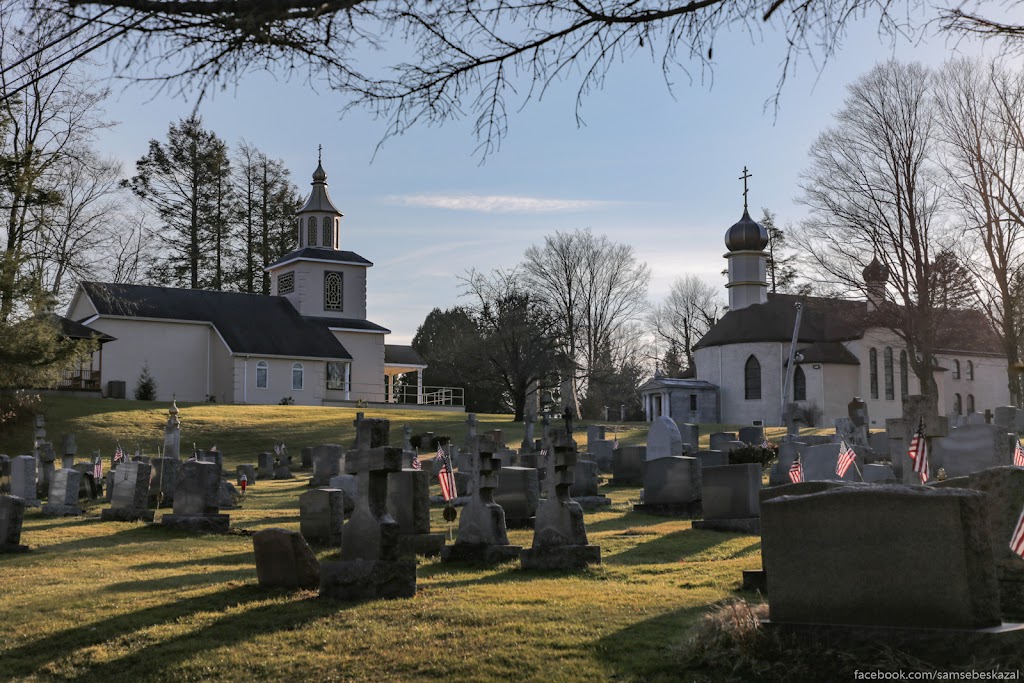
<point>746,240</point>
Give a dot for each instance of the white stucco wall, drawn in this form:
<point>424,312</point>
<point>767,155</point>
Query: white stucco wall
<point>367,352</point>
<point>989,386</point>
<point>308,296</point>
<point>279,381</point>
<point>724,366</point>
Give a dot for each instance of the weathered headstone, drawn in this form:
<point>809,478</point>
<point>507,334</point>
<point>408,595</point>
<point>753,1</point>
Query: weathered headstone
<point>870,571</point>
<point>328,461</point>
<point>518,494</point>
<point>627,465</point>
<point>228,496</point>
<point>690,433</point>
<point>46,459</point>
<point>820,463</point>
<point>161,484</point>
<point>12,514</point>
<point>307,457</point>
<point>129,493</point>
<point>900,431</point>
<point>584,479</point>
<point>718,441</point>
<point>471,423</point>
<point>321,515</point>
<point>482,533</point>
<point>407,438</point>
<point>214,456</point>
<point>712,458</point>
<point>1007,418</point>
<point>559,533</point>
<point>602,452</point>
<point>349,485</point>
<point>409,506</point>
<point>196,499</point>
<point>283,467</point>
<point>250,474</point>
<point>672,486</point>
<point>752,436</point>
<point>172,433</point>
<point>68,450</point>
<point>879,473</point>
<point>23,479</point>
<point>497,436</point>
<point>663,439</point>
<point>284,560</point>
<point>265,463</point>
<point>730,498</point>
<point>63,498</point>
<point>595,433</point>
<point>528,420</point>
<point>971,448</point>
<point>371,565</point>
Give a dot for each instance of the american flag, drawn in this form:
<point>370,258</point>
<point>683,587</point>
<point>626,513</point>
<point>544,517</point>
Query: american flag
<point>846,458</point>
<point>796,471</point>
<point>446,476</point>
<point>765,443</point>
<point>615,444</point>
<point>416,462</point>
<point>118,455</point>
<point>97,469</point>
<point>1018,455</point>
<point>918,452</point>
<point>1017,540</point>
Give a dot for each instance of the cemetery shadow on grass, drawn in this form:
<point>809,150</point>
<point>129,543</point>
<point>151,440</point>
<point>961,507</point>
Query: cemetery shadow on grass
<point>675,546</point>
<point>503,573</point>
<point>57,523</point>
<point>181,581</point>
<point>134,534</point>
<point>649,650</point>
<point>228,630</point>
<point>226,560</point>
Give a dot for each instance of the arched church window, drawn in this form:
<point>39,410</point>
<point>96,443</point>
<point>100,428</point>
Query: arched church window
<point>799,384</point>
<point>328,237</point>
<point>890,389</point>
<point>904,374</point>
<point>970,403</point>
<point>873,371</point>
<point>752,379</point>
<point>261,374</point>
<point>956,370</point>
<point>970,369</point>
<point>297,377</point>
<point>333,291</point>
<point>311,232</point>
<point>957,405</point>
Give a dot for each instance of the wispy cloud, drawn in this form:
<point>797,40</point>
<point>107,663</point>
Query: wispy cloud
<point>498,203</point>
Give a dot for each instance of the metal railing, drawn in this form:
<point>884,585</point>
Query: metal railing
<point>79,379</point>
<point>407,394</point>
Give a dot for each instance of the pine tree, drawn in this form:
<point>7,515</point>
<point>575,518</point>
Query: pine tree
<point>145,390</point>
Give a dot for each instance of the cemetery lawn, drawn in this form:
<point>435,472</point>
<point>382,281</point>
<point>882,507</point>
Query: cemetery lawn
<point>107,601</point>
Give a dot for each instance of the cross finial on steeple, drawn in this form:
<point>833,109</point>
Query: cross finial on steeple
<point>746,174</point>
<point>320,154</point>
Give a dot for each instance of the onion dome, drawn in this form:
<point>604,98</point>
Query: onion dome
<point>875,272</point>
<point>319,175</point>
<point>746,235</point>
<point>318,199</point>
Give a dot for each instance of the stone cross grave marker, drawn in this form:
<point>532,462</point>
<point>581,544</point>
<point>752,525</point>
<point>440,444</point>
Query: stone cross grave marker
<point>901,430</point>
<point>559,533</point>
<point>68,451</point>
<point>46,458</point>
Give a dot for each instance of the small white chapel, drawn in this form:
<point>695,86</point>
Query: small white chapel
<point>310,342</point>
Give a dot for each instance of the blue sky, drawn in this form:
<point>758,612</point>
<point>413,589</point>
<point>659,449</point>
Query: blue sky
<point>657,172</point>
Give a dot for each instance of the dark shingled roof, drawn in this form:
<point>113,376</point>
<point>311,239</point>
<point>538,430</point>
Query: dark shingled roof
<point>828,352</point>
<point>320,254</point>
<point>347,323</point>
<point>396,354</point>
<point>838,320</point>
<point>76,330</point>
<point>249,323</point>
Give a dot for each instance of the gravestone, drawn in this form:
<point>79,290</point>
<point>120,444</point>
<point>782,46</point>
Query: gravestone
<point>284,560</point>
<point>820,463</point>
<point>129,492</point>
<point>672,486</point>
<point>595,433</point>
<point>508,457</point>
<point>712,458</point>
<point>482,533</point>
<point>196,499</point>
<point>730,498</point>
<point>690,434</point>
<point>321,515</point>
<point>64,489</point>
<point>172,433</point>
<point>497,436</point>
<point>23,479</point>
<point>971,448</point>
<point>371,566</point>
<point>228,496</point>
<point>283,467</point>
<point>627,465</point>
<point>752,436</point>
<point>409,505</point>
<point>584,479</point>
<point>12,515</point>
<point>974,419</point>
<point>46,459</point>
<point>603,453</point>
<point>328,461</point>
<point>879,443</point>
<point>730,446</point>
<point>265,463</point>
<point>528,420</point>
<point>68,449</point>
<point>871,571</point>
<point>91,488</point>
<point>879,473</point>
<point>1007,417</point>
<point>250,474</point>
<point>559,533</point>
<point>5,474</point>
<point>718,441</point>
<point>518,494</point>
<point>407,438</point>
<point>161,483</point>
<point>349,485</point>
<point>307,457</point>
<point>663,439</point>
<point>471,423</point>
<point>216,457</point>
<point>901,430</point>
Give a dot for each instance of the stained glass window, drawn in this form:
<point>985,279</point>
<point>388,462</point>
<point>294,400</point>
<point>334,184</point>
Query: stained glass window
<point>333,291</point>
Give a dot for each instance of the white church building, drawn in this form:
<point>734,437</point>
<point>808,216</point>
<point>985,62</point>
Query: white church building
<point>840,354</point>
<point>310,342</point>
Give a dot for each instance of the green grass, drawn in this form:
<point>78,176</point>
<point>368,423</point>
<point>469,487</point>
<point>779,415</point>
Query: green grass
<point>105,601</point>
